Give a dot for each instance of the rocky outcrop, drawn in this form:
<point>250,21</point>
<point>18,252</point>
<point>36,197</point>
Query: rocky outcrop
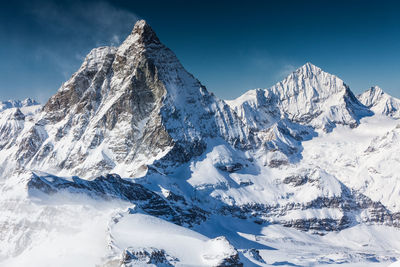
<point>140,256</point>
<point>220,253</point>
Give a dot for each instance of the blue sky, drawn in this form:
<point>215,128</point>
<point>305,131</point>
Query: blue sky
<point>230,46</point>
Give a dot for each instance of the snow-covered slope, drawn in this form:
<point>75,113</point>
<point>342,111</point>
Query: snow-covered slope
<point>69,228</point>
<point>300,169</point>
<point>380,102</point>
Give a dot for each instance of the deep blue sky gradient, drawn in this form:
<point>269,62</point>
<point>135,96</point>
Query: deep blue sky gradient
<point>230,46</point>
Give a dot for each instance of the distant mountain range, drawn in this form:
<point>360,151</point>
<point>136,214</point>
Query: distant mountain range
<point>303,173</point>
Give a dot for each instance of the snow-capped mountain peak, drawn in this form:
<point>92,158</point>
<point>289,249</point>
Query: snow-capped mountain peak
<point>29,102</point>
<point>17,103</point>
<point>142,37</point>
<point>380,102</point>
<point>144,33</point>
<point>308,69</point>
<point>309,96</point>
<point>308,84</point>
<point>371,96</point>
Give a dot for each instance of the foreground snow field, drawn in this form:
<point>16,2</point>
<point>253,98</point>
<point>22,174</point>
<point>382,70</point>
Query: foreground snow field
<point>76,230</point>
<point>133,162</point>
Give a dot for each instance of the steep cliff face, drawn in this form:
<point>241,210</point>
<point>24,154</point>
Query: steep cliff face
<point>123,109</point>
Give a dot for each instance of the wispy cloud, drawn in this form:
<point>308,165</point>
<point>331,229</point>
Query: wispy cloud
<point>285,69</point>
<point>267,68</point>
<point>69,30</point>
<point>97,20</point>
<point>77,28</point>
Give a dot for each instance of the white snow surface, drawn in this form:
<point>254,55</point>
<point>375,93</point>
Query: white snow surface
<point>191,248</point>
<point>65,230</point>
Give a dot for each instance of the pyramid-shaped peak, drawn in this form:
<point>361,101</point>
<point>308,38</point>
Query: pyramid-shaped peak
<point>310,71</point>
<point>18,115</point>
<point>309,65</point>
<point>311,79</point>
<point>29,102</point>
<point>309,68</point>
<point>373,96</point>
<point>144,33</point>
<point>376,90</point>
<point>140,24</point>
<point>380,102</point>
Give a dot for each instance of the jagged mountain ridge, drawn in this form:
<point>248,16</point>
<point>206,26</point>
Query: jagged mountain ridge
<point>135,111</point>
<point>17,103</point>
<point>308,96</point>
<point>137,102</point>
<point>380,102</point>
<point>307,101</point>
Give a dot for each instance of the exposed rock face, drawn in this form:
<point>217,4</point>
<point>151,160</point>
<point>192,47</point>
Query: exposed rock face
<point>125,108</point>
<point>380,102</point>
<point>296,180</point>
<point>134,257</point>
<point>255,254</point>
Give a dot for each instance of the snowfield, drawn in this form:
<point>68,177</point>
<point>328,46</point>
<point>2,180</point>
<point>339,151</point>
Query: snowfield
<point>92,233</point>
